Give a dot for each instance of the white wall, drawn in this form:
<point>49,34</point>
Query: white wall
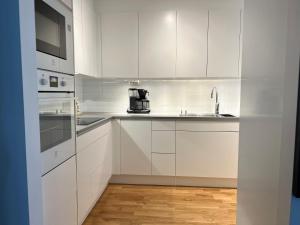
<point>268,109</point>
<point>165,96</point>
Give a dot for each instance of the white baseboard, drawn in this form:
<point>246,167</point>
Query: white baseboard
<point>174,181</point>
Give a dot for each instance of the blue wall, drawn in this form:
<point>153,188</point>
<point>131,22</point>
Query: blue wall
<point>295,217</point>
<point>13,177</point>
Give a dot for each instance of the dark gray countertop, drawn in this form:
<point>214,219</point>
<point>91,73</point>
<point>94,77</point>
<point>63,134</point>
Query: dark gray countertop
<point>108,116</point>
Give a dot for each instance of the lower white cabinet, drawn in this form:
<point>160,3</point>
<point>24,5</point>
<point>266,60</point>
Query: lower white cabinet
<point>207,154</point>
<point>116,145</point>
<point>163,141</point>
<point>185,148</point>
<point>163,164</point>
<point>136,147</point>
<point>59,195</point>
<point>94,168</point>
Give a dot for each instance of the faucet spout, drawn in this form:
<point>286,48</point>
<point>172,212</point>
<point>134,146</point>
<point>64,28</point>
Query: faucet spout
<point>217,104</point>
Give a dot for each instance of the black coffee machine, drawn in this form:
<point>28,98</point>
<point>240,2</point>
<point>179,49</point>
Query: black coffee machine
<point>138,101</point>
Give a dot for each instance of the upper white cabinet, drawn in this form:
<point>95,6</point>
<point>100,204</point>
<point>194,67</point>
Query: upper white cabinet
<point>157,44</point>
<point>78,49</point>
<point>120,45</point>
<point>136,147</point>
<point>224,43</point>
<point>86,40</point>
<point>192,30</point>
<point>90,38</point>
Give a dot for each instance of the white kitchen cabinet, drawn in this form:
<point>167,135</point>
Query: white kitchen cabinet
<point>163,164</point>
<point>59,195</point>
<point>94,167</point>
<point>86,38</point>
<point>119,45</point>
<point>136,147</point>
<point>90,38</point>
<point>163,141</point>
<point>192,28</point>
<point>224,42</point>
<point>78,42</point>
<point>207,154</point>
<point>157,44</point>
<point>116,145</point>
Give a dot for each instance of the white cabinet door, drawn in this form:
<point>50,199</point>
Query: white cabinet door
<point>85,179</point>
<point>120,45</point>
<point>89,38</point>
<point>59,195</point>
<point>94,168</point>
<point>86,38</point>
<point>163,164</point>
<point>78,42</point>
<point>192,44</point>
<point>116,145</point>
<point>157,41</point>
<point>136,147</point>
<point>207,154</point>
<point>224,43</point>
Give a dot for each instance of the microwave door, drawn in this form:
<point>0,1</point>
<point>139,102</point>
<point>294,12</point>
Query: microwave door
<point>50,30</point>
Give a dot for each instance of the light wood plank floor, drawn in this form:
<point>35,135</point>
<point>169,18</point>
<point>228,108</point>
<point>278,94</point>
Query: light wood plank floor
<point>158,205</point>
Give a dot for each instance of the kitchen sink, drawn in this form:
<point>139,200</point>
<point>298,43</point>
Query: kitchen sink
<point>227,115</point>
<point>208,115</point>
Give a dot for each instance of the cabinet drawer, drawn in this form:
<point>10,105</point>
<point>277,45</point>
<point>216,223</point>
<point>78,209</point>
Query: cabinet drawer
<point>163,164</point>
<point>163,141</point>
<point>88,138</point>
<point>207,126</point>
<point>163,125</point>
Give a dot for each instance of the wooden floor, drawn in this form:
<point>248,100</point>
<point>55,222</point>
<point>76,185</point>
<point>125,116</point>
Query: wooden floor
<point>157,205</point>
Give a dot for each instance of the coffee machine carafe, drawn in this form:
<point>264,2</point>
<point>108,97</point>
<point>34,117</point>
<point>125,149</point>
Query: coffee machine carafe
<point>138,101</point>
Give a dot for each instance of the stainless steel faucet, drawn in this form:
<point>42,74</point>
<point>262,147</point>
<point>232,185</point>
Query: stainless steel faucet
<point>217,104</point>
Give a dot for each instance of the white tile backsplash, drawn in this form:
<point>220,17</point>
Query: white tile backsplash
<point>169,96</point>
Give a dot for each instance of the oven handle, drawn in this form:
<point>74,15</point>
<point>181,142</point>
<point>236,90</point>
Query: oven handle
<point>56,95</point>
<point>56,113</point>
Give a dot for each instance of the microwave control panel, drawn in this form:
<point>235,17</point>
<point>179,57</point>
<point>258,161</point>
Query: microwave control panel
<point>55,82</point>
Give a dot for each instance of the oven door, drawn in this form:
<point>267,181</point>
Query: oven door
<point>57,128</point>
<point>54,36</point>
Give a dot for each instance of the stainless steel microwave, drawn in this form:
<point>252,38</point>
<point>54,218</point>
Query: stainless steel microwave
<point>54,36</point>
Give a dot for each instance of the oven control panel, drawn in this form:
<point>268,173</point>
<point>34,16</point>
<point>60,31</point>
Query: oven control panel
<point>56,82</point>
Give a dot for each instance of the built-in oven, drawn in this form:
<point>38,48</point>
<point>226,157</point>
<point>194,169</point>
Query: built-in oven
<point>57,120</point>
<point>54,36</point>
